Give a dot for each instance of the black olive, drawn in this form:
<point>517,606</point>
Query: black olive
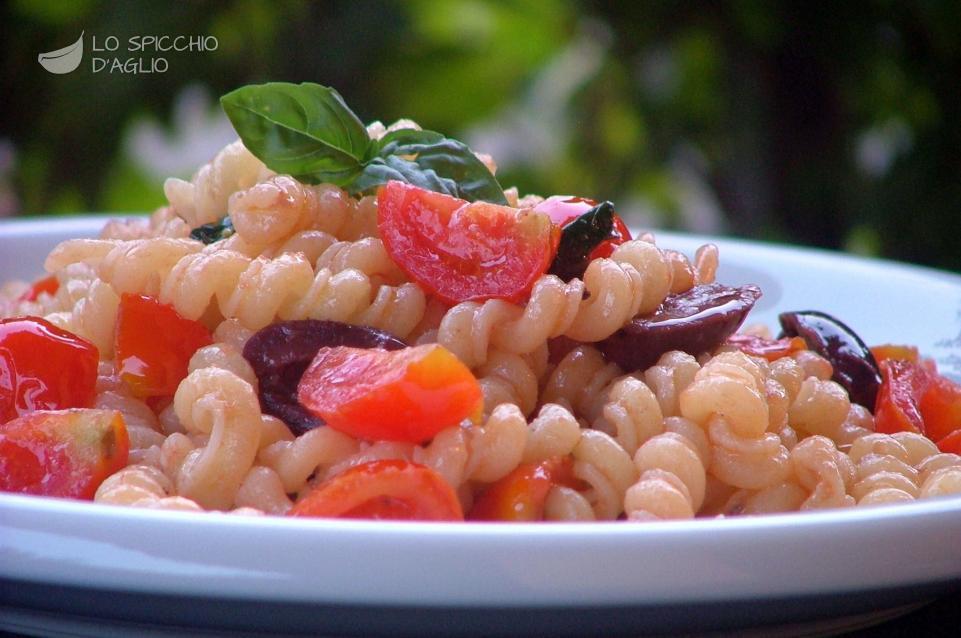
<point>281,352</point>
<point>854,365</point>
<point>695,321</point>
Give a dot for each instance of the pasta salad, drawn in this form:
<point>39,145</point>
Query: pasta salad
<point>338,320</point>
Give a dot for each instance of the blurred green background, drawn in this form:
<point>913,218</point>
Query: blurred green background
<point>789,121</point>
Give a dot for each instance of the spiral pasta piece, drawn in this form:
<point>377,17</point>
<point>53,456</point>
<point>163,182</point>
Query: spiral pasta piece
<point>581,381</point>
<point>672,480</point>
<point>218,403</point>
<point>507,378</point>
<point>672,373</point>
<point>315,451</point>
<point>204,198</point>
<point>367,255</point>
<point>272,210</point>
<point>631,414</point>
<point>93,316</point>
<point>730,385</point>
<point>141,486</point>
<point>263,491</point>
<point>887,467</point>
<point>608,471</point>
<point>824,471</point>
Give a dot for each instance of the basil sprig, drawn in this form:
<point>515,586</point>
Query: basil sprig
<point>579,237</point>
<point>307,131</point>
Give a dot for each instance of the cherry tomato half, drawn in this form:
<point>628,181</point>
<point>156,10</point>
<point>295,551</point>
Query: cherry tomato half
<point>43,367</point>
<point>49,285</point>
<point>154,345</point>
<point>903,383</point>
<point>399,395</point>
<point>940,407</point>
<point>65,453</point>
<point>463,251</point>
<point>951,444</point>
<point>385,490</point>
<point>521,495</point>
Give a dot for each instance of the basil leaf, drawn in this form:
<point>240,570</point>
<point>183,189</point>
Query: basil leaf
<point>429,160</point>
<point>579,238</point>
<point>304,130</point>
<point>214,231</point>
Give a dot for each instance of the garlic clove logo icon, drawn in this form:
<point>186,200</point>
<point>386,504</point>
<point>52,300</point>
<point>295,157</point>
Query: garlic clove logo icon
<point>63,60</point>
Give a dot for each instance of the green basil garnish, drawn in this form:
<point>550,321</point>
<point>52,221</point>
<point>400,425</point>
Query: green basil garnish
<point>214,231</point>
<point>307,131</point>
<point>430,160</point>
<point>579,238</point>
<point>302,130</point>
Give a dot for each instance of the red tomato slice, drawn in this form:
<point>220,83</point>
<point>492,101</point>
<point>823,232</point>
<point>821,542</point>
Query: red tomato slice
<point>940,407</point>
<point>951,444</point>
<point>464,251</point>
<point>43,368</point>
<point>154,345</point>
<point>520,496</point>
<point>49,285</point>
<point>903,383</point>
<point>399,395</point>
<point>385,490</point>
<point>770,349</point>
<point>66,453</point>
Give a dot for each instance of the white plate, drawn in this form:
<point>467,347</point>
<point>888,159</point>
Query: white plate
<point>83,569</point>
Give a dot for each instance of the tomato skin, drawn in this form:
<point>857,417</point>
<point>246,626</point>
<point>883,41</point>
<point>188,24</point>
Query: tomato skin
<point>902,386</point>
<point>154,345</point>
<point>398,395</point>
<point>65,453</point>
<point>951,444</point>
<point>383,490</point>
<point>770,349</point>
<point>49,285</point>
<point>463,251</point>
<point>563,209</point>
<point>940,407</point>
<point>43,367</point>
<point>521,495</point>
<point>892,351</point>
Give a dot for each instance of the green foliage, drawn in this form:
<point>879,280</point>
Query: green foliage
<point>783,120</point>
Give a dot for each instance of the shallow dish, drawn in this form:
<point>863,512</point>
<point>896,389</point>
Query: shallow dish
<point>80,569</point>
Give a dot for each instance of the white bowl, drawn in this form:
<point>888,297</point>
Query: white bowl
<point>87,569</point>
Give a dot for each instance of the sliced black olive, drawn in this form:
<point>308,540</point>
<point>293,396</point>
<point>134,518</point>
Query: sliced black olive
<point>281,352</point>
<point>854,365</point>
<point>695,321</point>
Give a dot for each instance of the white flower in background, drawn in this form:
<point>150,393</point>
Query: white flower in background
<point>9,204</point>
<point>880,145</point>
<point>198,129</point>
